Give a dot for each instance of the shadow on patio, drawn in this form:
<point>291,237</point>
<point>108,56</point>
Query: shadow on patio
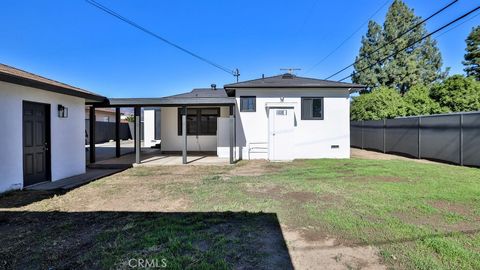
<point>67,240</point>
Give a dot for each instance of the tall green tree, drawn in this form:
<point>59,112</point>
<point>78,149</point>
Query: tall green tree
<point>419,64</point>
<point>370,55</point>
<point>472,55</point>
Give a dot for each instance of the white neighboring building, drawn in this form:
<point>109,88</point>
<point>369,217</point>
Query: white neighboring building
<point>101,114</point>
<point>43,129</point>
<point>282,117</point>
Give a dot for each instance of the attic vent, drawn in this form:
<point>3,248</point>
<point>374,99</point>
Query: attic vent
<point>287,76</point>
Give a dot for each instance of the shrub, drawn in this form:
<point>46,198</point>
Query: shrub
<point>457,93</point>
<point>419,102</point>
<point>381,103</point>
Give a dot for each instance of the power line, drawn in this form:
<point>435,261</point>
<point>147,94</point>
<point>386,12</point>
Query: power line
<point>346,39</point>
<point>143,29</point>
<point>443,33</point>
<point>413,43</point>
<point>393,40</point>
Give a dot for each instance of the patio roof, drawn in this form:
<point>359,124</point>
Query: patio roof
<point>197,97</point>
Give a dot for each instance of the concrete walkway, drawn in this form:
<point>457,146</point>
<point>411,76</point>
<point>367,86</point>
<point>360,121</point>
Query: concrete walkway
<point>75,181</point>
<point>366,154</point>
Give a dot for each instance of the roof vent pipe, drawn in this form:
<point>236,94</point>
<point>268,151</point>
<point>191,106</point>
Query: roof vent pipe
<point>214,86</point>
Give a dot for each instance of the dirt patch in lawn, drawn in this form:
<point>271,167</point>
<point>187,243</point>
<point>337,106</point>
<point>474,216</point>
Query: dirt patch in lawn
<point>254,168</point>
<point>265,191</point>
<point>435,221</point>
<point>326,253</point>
<point>301,196</point>
<point>279,193</point>
<point>457,208</point>
<point>374,178</point>
<point>389,179</point>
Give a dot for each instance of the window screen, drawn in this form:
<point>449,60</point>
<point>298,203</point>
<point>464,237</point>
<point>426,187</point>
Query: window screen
<point>200,121</point>
<point>248,104</point>
<point>312,108</point>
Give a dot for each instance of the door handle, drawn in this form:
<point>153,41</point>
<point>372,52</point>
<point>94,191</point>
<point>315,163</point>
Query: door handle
<point>45,147</point>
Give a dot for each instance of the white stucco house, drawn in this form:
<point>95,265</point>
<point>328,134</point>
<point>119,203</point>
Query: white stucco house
<point>43,128</point>
<point>277,118</point>
<point>283,117</point>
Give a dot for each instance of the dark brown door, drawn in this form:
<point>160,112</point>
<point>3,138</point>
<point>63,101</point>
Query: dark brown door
<point>36,141</point>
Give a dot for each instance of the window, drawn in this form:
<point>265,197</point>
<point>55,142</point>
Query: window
<point>200,121</point>
<point>248,104</point>
<point>312,108</point>
<point>281,112</point>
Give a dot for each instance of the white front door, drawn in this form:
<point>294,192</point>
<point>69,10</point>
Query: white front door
<point>280,137</point>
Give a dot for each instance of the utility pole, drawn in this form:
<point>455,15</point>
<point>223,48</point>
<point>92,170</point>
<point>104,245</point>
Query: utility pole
<point>236,73</point>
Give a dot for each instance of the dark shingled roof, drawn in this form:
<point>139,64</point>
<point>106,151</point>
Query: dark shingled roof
<point>195,97</point>
<point>291,81</point>
<point>203,93</point>
<point>21,77</point>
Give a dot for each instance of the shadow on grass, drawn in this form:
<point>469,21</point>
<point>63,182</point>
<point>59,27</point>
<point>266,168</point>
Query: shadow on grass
<point>112,240</point>
<point>19,198</point>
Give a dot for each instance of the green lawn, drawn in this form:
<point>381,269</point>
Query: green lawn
<point>419,216</point>
<point>423,216</point>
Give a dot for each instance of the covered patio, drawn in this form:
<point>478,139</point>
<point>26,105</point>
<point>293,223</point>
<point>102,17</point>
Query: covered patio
<point>206,98</point>
<point>154,157</point>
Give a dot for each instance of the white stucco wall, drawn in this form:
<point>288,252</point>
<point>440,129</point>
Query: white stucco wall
<point>67,134</point>
<point>149,128</point>
<point>223,137</point>
<point>312,138</point>
<point>171,141</point>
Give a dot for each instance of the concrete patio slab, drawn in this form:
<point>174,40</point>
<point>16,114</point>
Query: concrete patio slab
<point>154,157</point>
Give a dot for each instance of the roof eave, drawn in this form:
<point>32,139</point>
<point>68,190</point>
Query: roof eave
<point>289,86</point>
<point>49,87</point>
<point>167,102</point>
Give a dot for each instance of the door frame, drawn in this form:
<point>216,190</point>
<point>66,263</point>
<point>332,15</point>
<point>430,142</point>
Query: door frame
<point>271,150</point>
<point>48,162</point>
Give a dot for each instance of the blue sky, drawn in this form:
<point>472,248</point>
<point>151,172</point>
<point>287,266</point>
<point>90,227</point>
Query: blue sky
<point>75,43</point>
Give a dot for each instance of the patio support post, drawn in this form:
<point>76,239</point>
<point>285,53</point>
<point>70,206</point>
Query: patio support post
<point>117,132</point>
<point>232,133</point>
<point>137,111</point>
<point>92,134</point>
<point>184,134</point>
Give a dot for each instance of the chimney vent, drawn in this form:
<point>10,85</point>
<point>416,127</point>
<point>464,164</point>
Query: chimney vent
<point>287,76</point>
